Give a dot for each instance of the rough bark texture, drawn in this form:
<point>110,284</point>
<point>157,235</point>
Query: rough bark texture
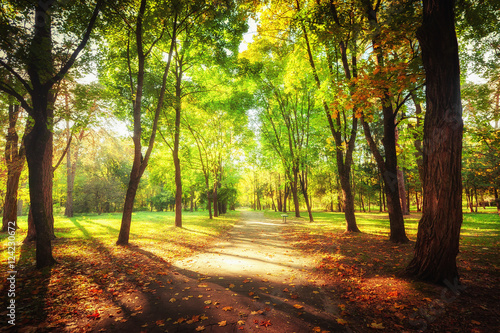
<point>14,158</point>
<point>439,228</point>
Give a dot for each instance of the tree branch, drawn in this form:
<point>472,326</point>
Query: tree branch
<point>80,46</point>
<point>17,76</point>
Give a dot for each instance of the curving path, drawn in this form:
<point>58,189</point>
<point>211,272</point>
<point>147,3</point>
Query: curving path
<point>251,281</point>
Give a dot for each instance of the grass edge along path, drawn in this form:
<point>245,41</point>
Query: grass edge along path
<point>366,271</point>
<point>93,275</point>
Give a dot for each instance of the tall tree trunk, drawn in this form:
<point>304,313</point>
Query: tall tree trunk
<point>39,157</point>
<point>497,200</point>
<point>418,203</point>
<point>389,166</point>
<point>439,228</point>
<point>43,77</point>
<point>295,191</point>
<point>68,211</point>
<point>191,201</point>
<point>47,194</point>
<point>418,142</point>
<point>401,181</point>
<point>177,163</point>
<point>344,162</point>
<point>140,162</point>
<point>209,198</point>
<point>216,200</point>
<point>14,158</point>
<point>388,169</point>
<point>402,192</point>
<point>285,197</point>
<point>304,186</point>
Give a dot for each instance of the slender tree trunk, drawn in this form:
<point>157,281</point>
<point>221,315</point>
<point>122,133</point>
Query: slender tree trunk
<point>418,142</point>
<point>216,199</point>
<point>497,200</point>
<point>304,186</point>
<point>140,162</point>
<point>191,200</point>
<point>343,162</point>
<point>14,158</point>
<point>285,197</point>
<point>177,163</point>
<point>439,228</point>
<point>71,172</point>
<point>475,197</point>
<point>418,202</point>
<point>209,198</point>
<point>388,169</point>
<point>68,212</point>
<point>295,192</point>
<point>402,192</point>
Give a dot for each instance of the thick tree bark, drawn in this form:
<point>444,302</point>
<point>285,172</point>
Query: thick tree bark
<point>14,158</point>
<point>439,228</point>
<point>43,77</point>
<point>47,197</point>
<point>39,157</point>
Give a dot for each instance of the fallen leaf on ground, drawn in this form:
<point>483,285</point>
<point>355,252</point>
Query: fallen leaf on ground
<point>200,328</point>
<point>222,323</point>
<point>377,326</point>
<point>341,321</point>
<point>266,323</point>
<point>298,306</point>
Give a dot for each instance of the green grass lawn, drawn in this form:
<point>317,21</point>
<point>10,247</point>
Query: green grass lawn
<point>153,231</point>
<point>478,229</point>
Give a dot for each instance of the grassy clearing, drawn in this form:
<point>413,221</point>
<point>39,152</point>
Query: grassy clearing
<point>366,272</point>
<point>93,275</point>
<point>150,230</point>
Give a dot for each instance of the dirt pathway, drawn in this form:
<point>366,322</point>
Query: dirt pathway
<point>253,281</point>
